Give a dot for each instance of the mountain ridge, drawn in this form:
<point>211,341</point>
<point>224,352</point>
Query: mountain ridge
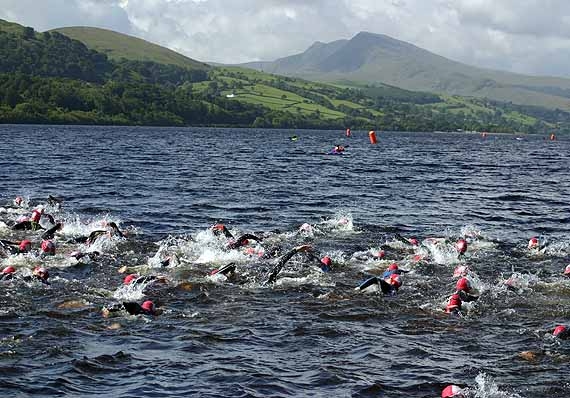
<point>370,58</point>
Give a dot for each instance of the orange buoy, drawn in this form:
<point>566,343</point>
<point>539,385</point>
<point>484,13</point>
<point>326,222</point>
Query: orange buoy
<point>348,133</point>
<point>372,136</point>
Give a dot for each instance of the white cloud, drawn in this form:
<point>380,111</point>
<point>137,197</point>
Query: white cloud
<point>530,36</point>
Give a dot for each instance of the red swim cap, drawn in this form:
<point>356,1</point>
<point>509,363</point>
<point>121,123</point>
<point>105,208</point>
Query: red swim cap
<point>48,247</point>
<point>453,303</point>
<point>148,306</point>
<point>218,227</point>
<point>461,246</point>
<point>129,278</point>
<point>9,270</point>
<point>326,260</point>
<point>25,246</point>
<point>41,272</point>
<point>567,270</point>
<point>36,215</point>
<point>395,281</point>
<point>381,254</point>
<point>451,391</point>
<point>533,242</point>
<point>393,267</point>
<point>558,330</point>
<point>460,271</point>
<point>18,201</point>
<point>418,258</point>
<point>413,241</point>
<point>463,284</point>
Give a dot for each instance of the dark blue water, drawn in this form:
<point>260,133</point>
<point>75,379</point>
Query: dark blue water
<point>311,334</point>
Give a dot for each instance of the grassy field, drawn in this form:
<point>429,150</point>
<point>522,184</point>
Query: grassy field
<point>117,45</point>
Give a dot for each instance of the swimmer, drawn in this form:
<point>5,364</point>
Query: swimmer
<point>461,247</point>
<point>112,230</point>
<point>134,279</point>
<point>286,257</point>
<point>146,308</point>
<point>7,273</point>
<point>50,233</point>
<point>39,274</point>
<point>242,241</point>
<point>566,272</point>
<point>388,286</point>
<point>410,242</point>
<point>537,245</point>
<point>16,248</point>
<point>227,270</point>
<point>32,223</point>
<point>48,248</point>
<point>462,289</point>
<point>393,269</point>
<point>218,229</point>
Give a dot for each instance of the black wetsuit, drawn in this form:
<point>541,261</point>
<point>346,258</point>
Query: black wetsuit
<point>241,241</point>
<point>131,307</point>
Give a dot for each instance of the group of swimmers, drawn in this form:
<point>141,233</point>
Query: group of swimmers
<point>388,282</point>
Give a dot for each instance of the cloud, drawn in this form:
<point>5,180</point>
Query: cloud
<point>49,14</point>
<point>529,36</point>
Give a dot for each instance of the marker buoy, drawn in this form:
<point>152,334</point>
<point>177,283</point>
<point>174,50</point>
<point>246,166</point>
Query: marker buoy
<point>348,133</point>
<point>372,136</point>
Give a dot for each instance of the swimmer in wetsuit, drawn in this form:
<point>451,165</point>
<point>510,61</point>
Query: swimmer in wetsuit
<point>38,274</point>
<point>325,263</point>
<point>462,289</point>
<point>146,308</point>
<point>112,230</point>
<point>243,240</point>
<point>389,283</point>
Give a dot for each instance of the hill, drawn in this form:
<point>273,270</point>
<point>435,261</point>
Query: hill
<point>50,78</point>
<point>120,46</point>
<point>370,58</point>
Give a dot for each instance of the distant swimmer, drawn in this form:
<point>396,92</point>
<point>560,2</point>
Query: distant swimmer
<point>38,274</point>
<point>243,240</point>
<point>389,285</point>
<point>566,272</point>
<point>413,242</point>
<point>227,270</point>
<point>50,233</point>
<point>462,294</point>
<point>48,248</point>
<point>327,263</point>
<point>132,308</point>
<point>338,150</point>
<point>31,223</point>
<point>461,247</point>
<point>111,231</point>
<point>135,279</point>
<point>537,245</point>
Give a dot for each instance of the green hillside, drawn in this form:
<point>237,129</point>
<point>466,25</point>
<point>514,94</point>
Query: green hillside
<point>120,46</point>
<point>370,58</point>
<point>50,78</point>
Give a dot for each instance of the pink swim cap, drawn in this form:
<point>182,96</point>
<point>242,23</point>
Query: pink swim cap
<point>381,254</point>
<point>533,242</point>
<point>326,260</point>
<point>25,246</point>
<point>463,284</point>
<point>461,246</point>
<point>413,241</point>
<point>9,270</point>
<point>393,267</point>
<point>460,271</point>
<point>148,306</point>
<point>559,330</point>
<point>567,270</point>
<point>129,278</point>
<point>451,391</point>
<point>48,247</point>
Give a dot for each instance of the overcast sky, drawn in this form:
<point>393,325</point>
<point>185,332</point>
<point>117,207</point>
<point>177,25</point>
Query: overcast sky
<point>526,36</point>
